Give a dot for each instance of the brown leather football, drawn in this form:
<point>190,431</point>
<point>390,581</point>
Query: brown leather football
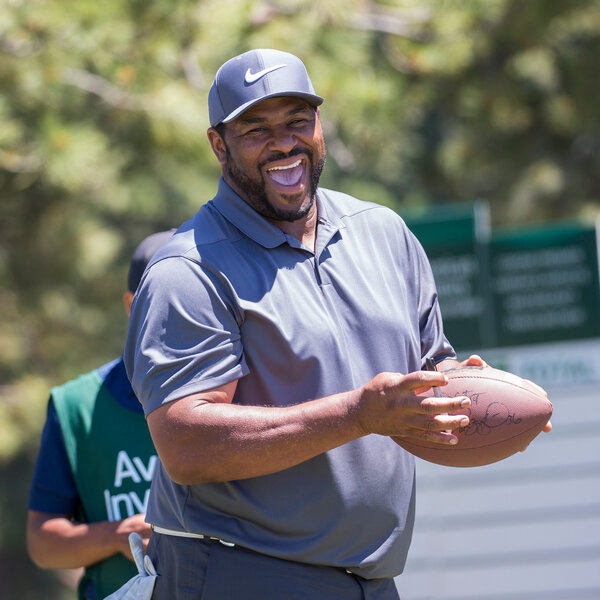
<point>506,414</point>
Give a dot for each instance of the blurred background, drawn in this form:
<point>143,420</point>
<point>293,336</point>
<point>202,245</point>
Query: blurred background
<point>477,121</point>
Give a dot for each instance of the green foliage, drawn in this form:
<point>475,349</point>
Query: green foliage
<point>102,140</point>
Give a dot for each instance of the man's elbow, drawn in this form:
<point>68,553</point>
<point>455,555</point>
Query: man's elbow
<point>37,551</point>
<point>182,472</point>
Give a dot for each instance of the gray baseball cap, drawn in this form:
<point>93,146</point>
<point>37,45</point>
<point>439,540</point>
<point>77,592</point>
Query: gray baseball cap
<point>257,75</point>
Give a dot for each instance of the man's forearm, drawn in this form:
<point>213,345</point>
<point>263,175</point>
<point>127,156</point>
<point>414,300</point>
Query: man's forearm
<point>56,542</point>
<point>205,438</point>
<point>224,442</point>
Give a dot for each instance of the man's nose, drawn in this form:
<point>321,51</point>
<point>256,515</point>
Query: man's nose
<point>282,140</point>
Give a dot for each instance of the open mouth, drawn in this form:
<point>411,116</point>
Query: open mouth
<point>287,175</point>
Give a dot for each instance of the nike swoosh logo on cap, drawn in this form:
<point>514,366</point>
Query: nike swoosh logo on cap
<point>251,77</point>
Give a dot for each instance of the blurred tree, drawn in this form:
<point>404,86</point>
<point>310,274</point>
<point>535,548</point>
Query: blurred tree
<point>102,141</point>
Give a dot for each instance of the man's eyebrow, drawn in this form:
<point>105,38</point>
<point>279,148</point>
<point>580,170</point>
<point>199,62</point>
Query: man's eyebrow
<point>250,120</point>
<point>301,109</point>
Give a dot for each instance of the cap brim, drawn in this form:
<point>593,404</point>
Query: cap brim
<point>312,99</point>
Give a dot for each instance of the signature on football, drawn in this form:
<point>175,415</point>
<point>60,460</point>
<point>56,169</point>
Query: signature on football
<point>496,414</point>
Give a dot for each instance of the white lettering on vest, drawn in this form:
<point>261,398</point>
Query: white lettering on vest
<point>109,514</point>
<point>140,506</point>
<point>128,504</point>
<point>125,468</point>
<point>124,505</point>
<point>116,500</point>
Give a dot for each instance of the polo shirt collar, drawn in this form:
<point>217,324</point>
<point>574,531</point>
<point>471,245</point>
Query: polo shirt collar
<point>252,224</point>
<point>326,211</point>
<point>246,219</point>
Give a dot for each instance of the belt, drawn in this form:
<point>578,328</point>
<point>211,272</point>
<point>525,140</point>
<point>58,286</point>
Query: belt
<point>201,536</point>
<point>188,534</point>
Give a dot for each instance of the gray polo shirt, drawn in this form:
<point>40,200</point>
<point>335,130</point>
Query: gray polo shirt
<point>230,296</point>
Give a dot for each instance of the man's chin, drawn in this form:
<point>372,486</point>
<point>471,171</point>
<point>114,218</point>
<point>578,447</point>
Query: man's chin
<point>296,207</point>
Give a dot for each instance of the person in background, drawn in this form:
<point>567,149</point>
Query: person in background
<point>94,467</point>
<point>277,341</point>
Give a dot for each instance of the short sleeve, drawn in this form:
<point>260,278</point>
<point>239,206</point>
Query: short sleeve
<point>53,488</point>
<point>184,334</point>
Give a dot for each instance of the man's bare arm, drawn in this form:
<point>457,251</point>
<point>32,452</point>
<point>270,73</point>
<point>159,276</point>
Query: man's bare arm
<point>56,542</point>
<point>204,437</point>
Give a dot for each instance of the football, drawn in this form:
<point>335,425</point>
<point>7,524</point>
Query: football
<point>506,414</point>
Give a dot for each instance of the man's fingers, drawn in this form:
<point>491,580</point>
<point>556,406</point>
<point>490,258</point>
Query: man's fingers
<point>474,361</point>
<point>452,422</point>
<point>421,381</point>
<point>446,423</point>
<point>420,425</point>
<point>438,406</point>
<point>391,406</point>
<point>445,437</point>
<point>438,430</point>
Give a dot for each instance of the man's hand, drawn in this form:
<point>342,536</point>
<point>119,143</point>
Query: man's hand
<point>403,405</point>
<point>128,525</point>
<point>473,361</point>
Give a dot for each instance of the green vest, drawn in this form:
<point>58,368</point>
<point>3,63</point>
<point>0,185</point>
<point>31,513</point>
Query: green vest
<point>112,458</point>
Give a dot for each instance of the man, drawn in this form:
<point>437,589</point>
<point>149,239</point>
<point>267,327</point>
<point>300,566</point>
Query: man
<point>93,471</point>
<point>276,342</point>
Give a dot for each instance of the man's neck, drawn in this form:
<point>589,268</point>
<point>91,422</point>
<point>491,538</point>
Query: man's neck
<point>304,230</point>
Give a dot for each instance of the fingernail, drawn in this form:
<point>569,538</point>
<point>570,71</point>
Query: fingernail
<point>464,422</point>
<point>465,403</point>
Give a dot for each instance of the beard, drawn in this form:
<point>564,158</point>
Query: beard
<point>254,189</point>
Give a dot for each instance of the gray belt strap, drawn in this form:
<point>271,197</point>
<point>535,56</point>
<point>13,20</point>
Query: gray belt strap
<point>188,534</point>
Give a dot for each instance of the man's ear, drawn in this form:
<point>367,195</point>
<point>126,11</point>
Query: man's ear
<point>217,143</point>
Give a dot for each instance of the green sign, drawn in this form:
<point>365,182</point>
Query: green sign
<point>519,287</point>
<point>455,240</point>
<point>545,285</point>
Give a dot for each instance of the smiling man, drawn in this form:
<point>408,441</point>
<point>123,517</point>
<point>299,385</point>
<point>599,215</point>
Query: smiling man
<point>272,156</point>
<point>273,152</point>
<point>276,342</point>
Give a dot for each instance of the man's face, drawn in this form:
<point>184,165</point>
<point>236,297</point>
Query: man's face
<point>273,155</point>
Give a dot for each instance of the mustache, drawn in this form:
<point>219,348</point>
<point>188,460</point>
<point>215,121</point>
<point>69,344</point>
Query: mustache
<point>283,155</point>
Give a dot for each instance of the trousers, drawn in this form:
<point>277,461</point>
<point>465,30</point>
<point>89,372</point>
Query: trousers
<point>194,569</point>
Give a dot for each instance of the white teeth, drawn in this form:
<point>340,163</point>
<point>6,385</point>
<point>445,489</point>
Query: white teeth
<point>292,166</point>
